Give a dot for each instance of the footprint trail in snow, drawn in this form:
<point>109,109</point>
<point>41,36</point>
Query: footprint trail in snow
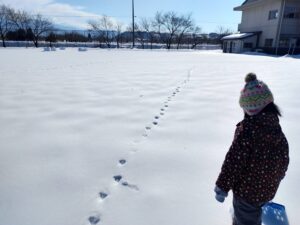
<point>119,179</point>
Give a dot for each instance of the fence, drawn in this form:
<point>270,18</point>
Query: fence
<point>28,44</point>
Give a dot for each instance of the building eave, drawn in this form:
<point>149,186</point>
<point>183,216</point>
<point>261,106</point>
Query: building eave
<point>247,5</point>
<point>240,36</point>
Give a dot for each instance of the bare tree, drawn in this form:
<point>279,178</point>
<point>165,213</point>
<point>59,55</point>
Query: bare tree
<point>19,19</point>
<point>107,25</point>
<point>5,23</point>
<point>148,26</point>
<point>39,26</point>
<point>21,22</point>
<point>118,34</point>
<point>197,38</point>
<point>103,29</point>
<point>139,34</point>
<point>187,25</point>
<point>96,30</point>
<point>223,31</point>
<point>51,38</point>
<point>157,24</point>
<point>172,24</point>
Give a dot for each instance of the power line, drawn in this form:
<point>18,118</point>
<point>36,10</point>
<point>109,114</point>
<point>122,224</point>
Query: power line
<point>136,16</point>
<point>214,22</point>
<point>81,16</point>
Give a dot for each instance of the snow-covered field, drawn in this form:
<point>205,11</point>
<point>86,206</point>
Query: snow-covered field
<point>68,117</point>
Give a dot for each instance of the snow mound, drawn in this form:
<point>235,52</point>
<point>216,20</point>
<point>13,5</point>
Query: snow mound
<point>47,49</point>
<point>82,49</point>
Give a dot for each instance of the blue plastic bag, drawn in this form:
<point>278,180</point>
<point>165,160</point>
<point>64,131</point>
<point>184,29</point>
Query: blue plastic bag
<point>274,214</point>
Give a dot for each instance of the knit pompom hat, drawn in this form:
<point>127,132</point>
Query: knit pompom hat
<point>255,96</point>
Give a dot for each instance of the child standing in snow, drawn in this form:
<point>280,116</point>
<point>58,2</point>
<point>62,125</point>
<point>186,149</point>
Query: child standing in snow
<point>258,157</point>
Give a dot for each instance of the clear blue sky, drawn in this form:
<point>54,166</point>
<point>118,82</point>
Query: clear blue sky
<point>207,14</point>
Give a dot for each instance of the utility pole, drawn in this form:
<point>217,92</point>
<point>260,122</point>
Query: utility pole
<point>279,27</point>
<point>133,41</point>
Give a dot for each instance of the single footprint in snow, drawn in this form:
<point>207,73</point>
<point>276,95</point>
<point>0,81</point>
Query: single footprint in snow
<point>136,141</point>
<point>156,117</point>
<point>148,128</point>
<point>155,123</point>
<point>162,109</point>
<point>122,161</point>
<point>134,150</point>
<point>118,178</point>
<point>94,219</point>
<point>166,106</point>
<point>132,186</point>
<point>162,114</point>
<point>103,195</point>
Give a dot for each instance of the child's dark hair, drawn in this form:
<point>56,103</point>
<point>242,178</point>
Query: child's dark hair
<point>272,108</point>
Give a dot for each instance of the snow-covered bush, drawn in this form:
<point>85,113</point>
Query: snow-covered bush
<point>82,49</point>
<point>47,49</point>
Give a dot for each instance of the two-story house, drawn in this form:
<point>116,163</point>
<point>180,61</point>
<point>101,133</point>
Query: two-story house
<point>272,26</point>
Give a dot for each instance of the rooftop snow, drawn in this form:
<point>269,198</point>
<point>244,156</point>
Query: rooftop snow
<point>238,36</point>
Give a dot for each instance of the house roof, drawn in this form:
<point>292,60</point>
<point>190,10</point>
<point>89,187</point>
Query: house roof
<point>238,36</point>
<point>246,4</point>
<point>248,1</point>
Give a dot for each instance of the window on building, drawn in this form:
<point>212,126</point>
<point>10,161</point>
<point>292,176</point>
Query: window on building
<point>284,42</point>
<point>273,14</point>
<point>292,13</point>
<point>248,45</point>
<point>268,42</point>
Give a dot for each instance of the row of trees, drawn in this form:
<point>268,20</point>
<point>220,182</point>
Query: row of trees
<point>168,28</point>
<point>20,23</point>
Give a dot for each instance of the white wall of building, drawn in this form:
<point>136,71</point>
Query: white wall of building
<point>250,40</point>
<point>238,44</point>
<point>256,18</point>
<point>291,26</point>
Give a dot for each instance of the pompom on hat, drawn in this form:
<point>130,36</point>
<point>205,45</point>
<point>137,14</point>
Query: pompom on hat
<point>255,96</point>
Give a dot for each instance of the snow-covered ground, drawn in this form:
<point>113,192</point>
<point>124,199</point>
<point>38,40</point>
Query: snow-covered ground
<point>68,117</point>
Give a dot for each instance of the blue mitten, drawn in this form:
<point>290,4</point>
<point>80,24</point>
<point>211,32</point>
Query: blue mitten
<point>220,194</point>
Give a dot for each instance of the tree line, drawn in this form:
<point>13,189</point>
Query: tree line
<point>22,24</point>
<point>166,28</point>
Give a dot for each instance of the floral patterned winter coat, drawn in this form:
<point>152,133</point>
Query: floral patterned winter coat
<point>257,159</point>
